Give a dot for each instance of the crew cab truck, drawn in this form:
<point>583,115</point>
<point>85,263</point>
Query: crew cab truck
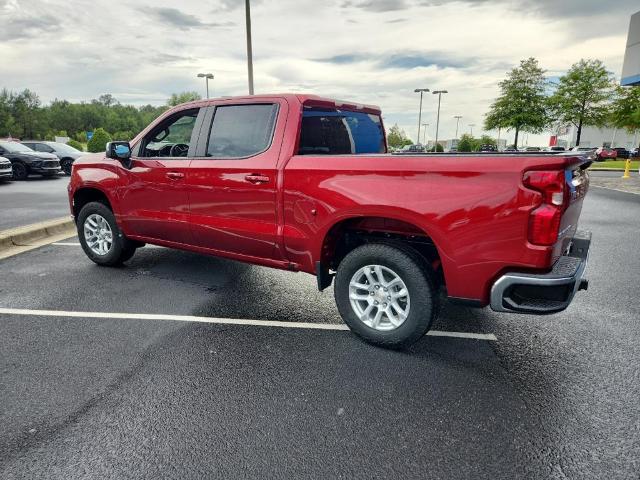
<point>304,183</point>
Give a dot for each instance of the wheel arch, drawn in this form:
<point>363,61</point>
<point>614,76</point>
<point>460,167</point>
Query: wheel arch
<point>351,231</point>
<point>88,194</point>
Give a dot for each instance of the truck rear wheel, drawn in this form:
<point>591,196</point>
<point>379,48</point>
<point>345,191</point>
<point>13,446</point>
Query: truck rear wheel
<point>100,237</point>
<point>386,295</point>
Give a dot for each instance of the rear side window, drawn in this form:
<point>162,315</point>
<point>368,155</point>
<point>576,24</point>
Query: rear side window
<point>240,131</point>
<point>340,132</point>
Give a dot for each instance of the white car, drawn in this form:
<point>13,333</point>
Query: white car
<point>6,170</point>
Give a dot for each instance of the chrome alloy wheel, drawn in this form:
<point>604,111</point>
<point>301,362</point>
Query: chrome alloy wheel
<point>98,234</point>
<point>379,297</point>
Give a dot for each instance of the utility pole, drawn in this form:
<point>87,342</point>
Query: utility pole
<point>249,48</point>
<point>457,117</point>
<point>439,93</point>
<point>421,91</point>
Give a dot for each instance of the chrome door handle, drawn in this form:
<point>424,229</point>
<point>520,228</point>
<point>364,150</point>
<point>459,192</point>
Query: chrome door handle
<point>175,175</point>
<point>256,178</point>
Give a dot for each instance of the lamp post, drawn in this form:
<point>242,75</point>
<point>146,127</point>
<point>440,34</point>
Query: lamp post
<point>471,125</point>
<point>457,117</point>
<point>439,93</point>
<point>424,141</point>
<point>421,91</point>
<point>206,77</point>
<point>249,48</point>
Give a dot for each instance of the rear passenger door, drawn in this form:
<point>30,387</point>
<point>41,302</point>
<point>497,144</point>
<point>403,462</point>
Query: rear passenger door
<point>233,179</point>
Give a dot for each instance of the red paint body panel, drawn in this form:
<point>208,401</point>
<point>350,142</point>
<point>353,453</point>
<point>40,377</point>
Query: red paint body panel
<point>474,208</point>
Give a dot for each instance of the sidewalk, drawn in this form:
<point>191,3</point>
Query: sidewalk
<point>630,185</point>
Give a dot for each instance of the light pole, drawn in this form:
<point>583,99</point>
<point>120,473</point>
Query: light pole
<point>249,48</point>
<point>457,117</point>
<point>471,125</point>
<point>421,90</point>
<point>425,125</point>
<point>206,77</point>
<point>439,93</point>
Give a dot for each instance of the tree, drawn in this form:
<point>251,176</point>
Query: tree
<point>583,96</point>
<point>466,143</point>
<point>625,110</point>
<point>522,102</point>
<point>397,138</point>
<point>182,97</point>
<point>76,145</point>
<point>487,140</point>
<point>98,142</point>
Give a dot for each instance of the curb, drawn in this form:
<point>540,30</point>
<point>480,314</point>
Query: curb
<point>28,234</point>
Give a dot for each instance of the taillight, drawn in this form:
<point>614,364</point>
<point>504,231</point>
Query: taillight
<point>544,222</point>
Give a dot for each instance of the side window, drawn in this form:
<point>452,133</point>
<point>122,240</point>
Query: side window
<point>340,132</point>
<point>42,147</point>
<point>172,137</point>
<point>240,131</point>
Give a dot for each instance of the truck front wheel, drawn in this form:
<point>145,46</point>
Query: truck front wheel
<point>386,295</point>
<point>100,237</point>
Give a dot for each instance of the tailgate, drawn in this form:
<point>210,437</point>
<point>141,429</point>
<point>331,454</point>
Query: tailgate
<point>577,185</point>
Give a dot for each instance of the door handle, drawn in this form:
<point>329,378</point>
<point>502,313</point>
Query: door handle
<point>256,178</point>
<point>175,175</point>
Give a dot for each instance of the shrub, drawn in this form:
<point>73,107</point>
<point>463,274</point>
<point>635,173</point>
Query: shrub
<point>123,136</point>
<point>98,142</point>
<point>76,145</point>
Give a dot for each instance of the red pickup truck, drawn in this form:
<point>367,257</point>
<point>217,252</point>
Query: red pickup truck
<point>304,183</point>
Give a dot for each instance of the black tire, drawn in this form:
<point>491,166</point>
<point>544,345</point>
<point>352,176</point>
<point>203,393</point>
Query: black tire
<point>20,171</point>
<point>412,269</point>
<point>122,249</point>
<point>66,164</point>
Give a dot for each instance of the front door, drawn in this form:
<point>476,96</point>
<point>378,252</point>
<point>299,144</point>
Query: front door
<point>156,200</point>
<point>233,179</point>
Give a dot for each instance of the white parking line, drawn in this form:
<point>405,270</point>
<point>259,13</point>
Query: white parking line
<point>220,321</point>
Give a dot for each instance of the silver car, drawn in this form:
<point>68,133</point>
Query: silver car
<point>6,171</point>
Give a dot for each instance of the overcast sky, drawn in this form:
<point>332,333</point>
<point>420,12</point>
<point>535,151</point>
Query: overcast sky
<point>370,51</point>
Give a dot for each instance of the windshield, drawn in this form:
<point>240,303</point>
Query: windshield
<point>15,147</point>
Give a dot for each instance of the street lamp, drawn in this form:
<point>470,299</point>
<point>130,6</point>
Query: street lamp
<point>206,77</point>
<point>425,125</point>
<point>439,93</point>
<point>472,125</point>
<point>421,90</point>
<point>457,117</point>
<point>249,48</point>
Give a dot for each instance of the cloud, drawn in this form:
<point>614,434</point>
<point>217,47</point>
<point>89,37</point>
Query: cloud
<point>22,23</point>
<point>407,60</point>
<point>178,19</point>
<point>377,5</point>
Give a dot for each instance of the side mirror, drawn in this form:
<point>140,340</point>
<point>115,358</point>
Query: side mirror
<point>119,151</point>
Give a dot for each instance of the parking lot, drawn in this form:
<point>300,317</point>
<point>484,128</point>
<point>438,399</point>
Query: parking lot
<point>33,200</point>
<point>182,366</point>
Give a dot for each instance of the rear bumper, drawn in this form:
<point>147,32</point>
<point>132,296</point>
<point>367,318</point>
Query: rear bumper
<point>545,293</point>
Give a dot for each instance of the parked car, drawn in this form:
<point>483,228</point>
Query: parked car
<point>622,152</point>
<point>65,153</point>
<point>532,149</point>
<point>583,149</point>
<point>6,172</point>
<point>555,148</point>
<point>605,153</point>
<point>487,147</point>
<point>304,183</point>
<point>26,161</point>
<point>418,148</point>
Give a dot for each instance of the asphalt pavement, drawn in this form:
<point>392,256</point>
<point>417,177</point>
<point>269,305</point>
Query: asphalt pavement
<point>33,200</point>
<point>552,397</point>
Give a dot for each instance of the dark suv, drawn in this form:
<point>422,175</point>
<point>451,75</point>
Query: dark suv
<point>65,153</point>
<point>26,161</point>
